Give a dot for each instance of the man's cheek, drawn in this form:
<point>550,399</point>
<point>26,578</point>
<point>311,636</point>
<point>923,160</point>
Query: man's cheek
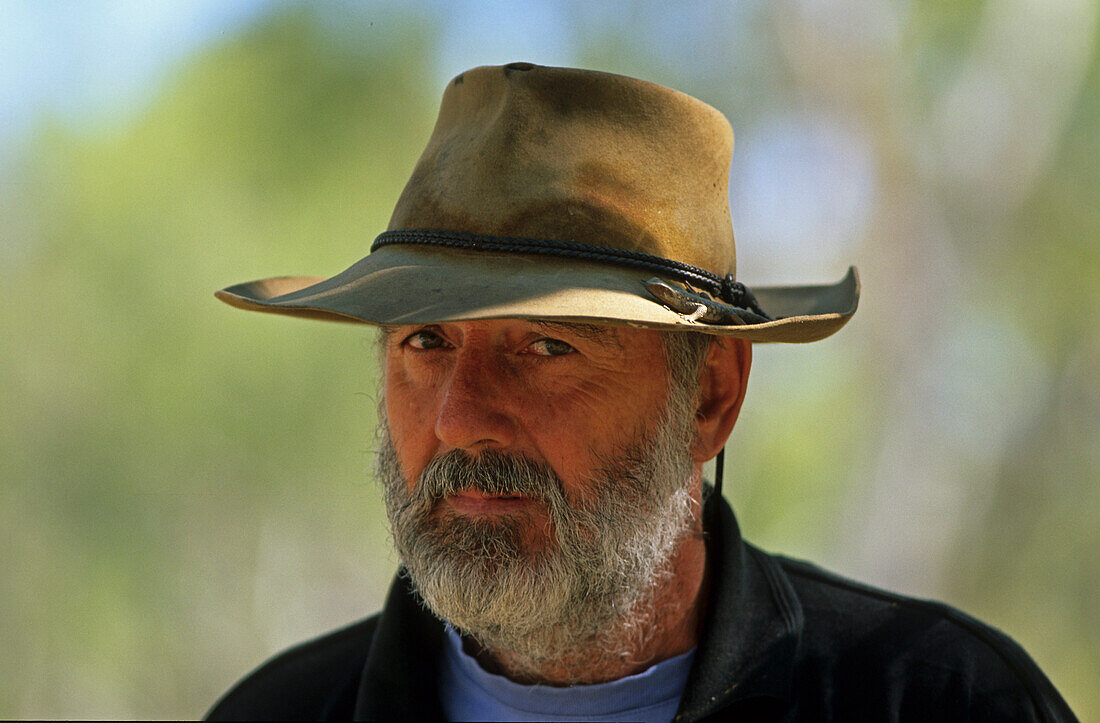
<point>413,437</point>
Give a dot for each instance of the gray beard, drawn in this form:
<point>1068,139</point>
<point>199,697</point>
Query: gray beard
<point>587,593</point>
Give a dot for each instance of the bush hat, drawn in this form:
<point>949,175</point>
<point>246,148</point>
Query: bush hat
<point>569,195</point>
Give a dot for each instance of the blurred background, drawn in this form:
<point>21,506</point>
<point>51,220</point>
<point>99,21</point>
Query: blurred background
<point>187,489</point>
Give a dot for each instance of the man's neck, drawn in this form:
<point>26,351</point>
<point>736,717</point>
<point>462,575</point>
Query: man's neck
<point>664,624</point>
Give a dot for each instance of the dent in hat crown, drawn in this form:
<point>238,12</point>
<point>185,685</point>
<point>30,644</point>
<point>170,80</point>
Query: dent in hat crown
<point>577,156</point>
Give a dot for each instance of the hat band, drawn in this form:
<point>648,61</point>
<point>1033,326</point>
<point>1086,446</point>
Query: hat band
<point>725,288</point>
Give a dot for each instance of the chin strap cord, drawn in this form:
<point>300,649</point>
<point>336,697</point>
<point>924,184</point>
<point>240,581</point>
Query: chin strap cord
<point>719,471</point>
<point>714,505</point>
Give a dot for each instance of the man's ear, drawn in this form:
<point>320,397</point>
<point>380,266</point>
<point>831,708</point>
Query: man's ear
<point>722,385</point>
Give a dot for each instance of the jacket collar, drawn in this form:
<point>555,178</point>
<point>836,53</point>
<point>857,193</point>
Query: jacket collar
<point>402,667</point>
<point>746,651</point>
<point>751,628</point>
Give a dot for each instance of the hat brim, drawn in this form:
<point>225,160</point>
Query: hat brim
<point>398,285</point>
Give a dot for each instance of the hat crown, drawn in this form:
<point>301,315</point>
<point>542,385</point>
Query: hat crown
<point>576,156</point>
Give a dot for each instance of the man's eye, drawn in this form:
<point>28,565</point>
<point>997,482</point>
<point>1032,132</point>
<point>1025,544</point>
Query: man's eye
<point>550,347</point>
<point>424,339</point>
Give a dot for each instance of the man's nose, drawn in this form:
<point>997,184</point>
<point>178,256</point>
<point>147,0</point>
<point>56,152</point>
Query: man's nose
<point>474,413</point>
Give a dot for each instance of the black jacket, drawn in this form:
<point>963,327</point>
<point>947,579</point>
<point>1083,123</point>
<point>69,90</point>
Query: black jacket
<point>783,641</point>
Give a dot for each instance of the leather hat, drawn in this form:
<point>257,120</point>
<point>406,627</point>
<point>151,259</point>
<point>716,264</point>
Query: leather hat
<point>564,194</point>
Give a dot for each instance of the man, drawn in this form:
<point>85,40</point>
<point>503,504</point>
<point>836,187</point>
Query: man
<point>565,345</point>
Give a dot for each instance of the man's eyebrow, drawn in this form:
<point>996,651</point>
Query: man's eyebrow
<point>599,334</point>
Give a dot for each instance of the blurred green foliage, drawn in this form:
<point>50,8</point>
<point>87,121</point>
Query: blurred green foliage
<point>161,439</point>
<point>187,487</point>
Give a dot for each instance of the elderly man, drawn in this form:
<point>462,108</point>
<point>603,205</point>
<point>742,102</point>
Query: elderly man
<point>565,345</point>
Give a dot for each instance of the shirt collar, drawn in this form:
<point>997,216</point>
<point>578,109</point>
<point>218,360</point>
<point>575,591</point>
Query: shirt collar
<point>487,695</point>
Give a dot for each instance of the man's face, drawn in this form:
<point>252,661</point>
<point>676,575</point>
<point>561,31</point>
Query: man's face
<point>562,395</point>
<point>537,476</point>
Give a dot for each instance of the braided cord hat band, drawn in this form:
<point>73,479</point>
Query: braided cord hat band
<point>725,288</point>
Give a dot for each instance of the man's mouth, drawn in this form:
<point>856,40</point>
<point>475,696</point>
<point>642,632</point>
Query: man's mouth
<point>471,501</point>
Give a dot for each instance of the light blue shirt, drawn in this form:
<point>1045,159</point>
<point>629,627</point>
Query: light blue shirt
<point>469,692</point>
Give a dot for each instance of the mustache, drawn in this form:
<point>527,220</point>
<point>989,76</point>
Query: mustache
<point>490,472</point>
